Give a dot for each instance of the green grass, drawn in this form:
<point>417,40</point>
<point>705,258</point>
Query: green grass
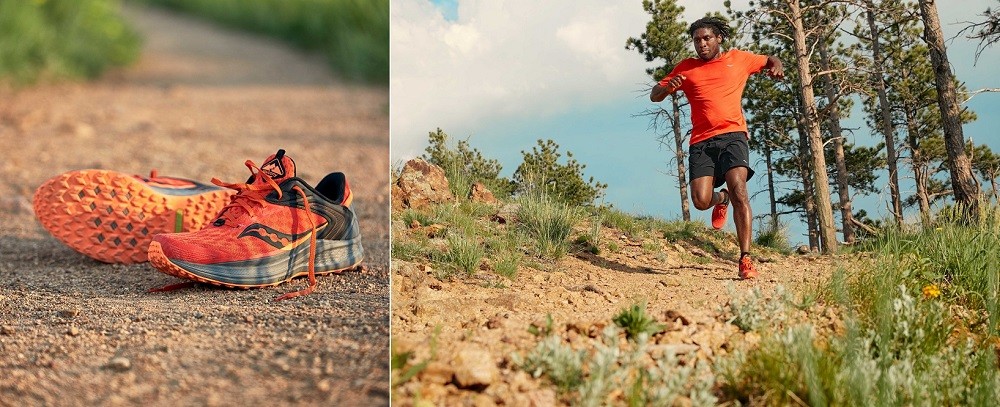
<point>62,39</point>
<point>354,34</point>
<point>636,322</point>
<point>548,223</point>
<point>626,223</point>
<point>464,254</point>
<point>592,377</point>
<point>920,326</point>
<point>773,234</point>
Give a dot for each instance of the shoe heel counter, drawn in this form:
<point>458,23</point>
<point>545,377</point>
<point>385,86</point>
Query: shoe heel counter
<point>354,227</point>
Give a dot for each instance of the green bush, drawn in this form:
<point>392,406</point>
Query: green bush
<point>541,173</point>
<point>62,39</point>
<point>464,165</point>
<point>354,34</point>
<point>548,222</point>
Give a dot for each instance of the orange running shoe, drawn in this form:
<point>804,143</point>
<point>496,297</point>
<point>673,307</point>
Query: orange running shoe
<point>276,228</point>
<point>719,212</point>
<point>747,270</point>
<point>111,217</point>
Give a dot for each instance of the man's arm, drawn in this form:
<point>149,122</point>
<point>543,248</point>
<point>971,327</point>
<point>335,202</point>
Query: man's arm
<point>661,91</point>
<point>774,67</point>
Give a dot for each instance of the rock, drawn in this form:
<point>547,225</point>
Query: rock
<point>803,249</point>
<point>506,214</point>
<point>542,398</point>
<point>676,349</point>
<point>421,184</point>
<point>482,400</point>
<point>397,198</point>
<point>479,193</point>
<point>494,322</point>
<point>437,372</point>
<point>682,401</point>
<point>119,363</point>
<point>474,367</point>
<point>674,316</point>
<point>69,313</point>
<point>7,330</point>
<point>73,331</point>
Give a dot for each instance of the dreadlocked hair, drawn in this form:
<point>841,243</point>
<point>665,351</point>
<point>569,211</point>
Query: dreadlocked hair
<point>718,25</point>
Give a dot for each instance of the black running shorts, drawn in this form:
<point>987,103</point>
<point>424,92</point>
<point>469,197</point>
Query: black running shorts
<point>717,155</point>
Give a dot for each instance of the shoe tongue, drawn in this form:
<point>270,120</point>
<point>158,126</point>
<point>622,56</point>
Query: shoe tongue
<point>278,166</point>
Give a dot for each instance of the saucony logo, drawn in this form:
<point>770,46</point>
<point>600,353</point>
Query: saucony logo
<point>273,168</point>
<point>277,239</point>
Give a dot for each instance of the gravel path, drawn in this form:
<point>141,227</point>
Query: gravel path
<point>200,101</point>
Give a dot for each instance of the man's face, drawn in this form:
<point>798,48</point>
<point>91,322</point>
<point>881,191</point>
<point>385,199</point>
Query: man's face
<point>706,43</point>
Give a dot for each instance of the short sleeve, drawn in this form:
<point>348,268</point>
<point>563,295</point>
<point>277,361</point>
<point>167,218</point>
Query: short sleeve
<point>681,67</point>
<point>753,62</point>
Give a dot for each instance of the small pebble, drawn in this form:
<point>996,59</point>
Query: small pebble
<point>120,364</point>
<point>73,331</point>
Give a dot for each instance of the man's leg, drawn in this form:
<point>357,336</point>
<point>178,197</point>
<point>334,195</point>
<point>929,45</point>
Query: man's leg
<point>736,182</point>
<point>703,193</point>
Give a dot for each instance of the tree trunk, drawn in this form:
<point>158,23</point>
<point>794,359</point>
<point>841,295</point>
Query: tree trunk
<point>887,128</point>
<point>682,182</point>
<point>770,182</point>
<point>821,183</point>
<point>843,189</point>
<point>919,167</point>
<point>807,190</point>
<point>963,184</point>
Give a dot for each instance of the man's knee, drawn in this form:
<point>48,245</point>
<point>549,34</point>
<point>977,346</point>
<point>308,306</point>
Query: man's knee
<point>702,201</point>
<point>739,195</point>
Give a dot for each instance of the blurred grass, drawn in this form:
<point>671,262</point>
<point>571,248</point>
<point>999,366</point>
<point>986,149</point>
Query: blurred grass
<point>62,39</point>
<point>354,34</point>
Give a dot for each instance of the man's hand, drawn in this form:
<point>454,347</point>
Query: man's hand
<point>775,68</point>
<point>660,92</point>
<point>675,83</point>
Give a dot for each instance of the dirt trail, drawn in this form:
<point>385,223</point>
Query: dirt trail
<point>200,102</point>
<point>684,286</point>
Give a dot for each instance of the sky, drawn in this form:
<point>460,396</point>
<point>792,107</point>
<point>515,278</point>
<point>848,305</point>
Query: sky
<point>503,74</point>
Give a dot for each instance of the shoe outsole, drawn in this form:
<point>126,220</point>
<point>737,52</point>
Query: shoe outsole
<point>111,217</point>
<point>159,260</point>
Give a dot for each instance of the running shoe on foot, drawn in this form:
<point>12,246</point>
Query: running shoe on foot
<point>111,217</point>
<point>747,270</point>
<point>719,212</point>
<point>276,228</point>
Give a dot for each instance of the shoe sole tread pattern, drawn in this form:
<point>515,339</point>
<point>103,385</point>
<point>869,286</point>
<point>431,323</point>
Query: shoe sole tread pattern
<point>112,217</point>
<point>300,268</point>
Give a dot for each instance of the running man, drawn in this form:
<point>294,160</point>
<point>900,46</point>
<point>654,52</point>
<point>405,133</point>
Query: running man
<point>713,84</point>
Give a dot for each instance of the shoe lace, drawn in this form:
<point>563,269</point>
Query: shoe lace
<point>247,195</point>
<point>313,283</point>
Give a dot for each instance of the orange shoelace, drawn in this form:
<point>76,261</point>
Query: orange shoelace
<point>247,193</point>
<point>312,251</point>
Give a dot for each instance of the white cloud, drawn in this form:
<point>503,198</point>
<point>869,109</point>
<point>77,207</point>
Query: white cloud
<point>512,59</point>
<point>505,60</point>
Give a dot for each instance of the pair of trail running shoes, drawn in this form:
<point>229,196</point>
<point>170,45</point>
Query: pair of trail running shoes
<point>267,231</point>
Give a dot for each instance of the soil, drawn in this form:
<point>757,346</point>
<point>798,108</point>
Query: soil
<point>200,101</point>
<point>685,286</point>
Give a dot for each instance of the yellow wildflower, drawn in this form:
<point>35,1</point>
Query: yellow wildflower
<point>931,291</point>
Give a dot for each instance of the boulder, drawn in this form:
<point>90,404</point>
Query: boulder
<point>420,184</point>
<point>479,193</point>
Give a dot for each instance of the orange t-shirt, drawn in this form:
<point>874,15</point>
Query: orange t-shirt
<point>715,91</point>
